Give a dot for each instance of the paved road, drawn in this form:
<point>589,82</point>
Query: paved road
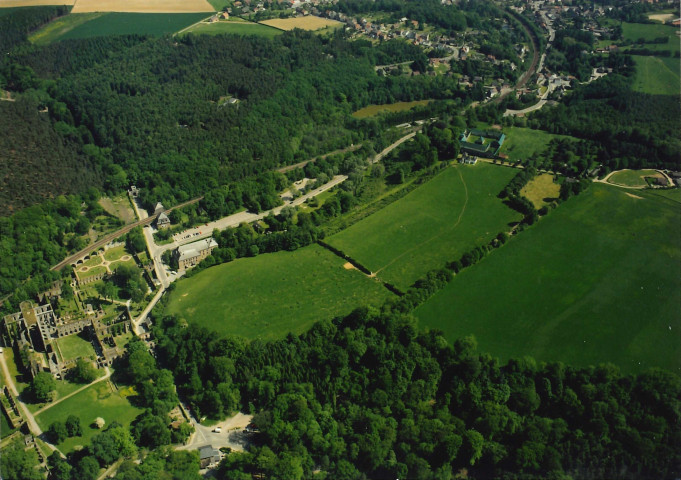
<point>231,434</point>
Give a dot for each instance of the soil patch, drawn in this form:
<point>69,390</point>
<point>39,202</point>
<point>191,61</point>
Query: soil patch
<point>348,266</point>
<point>633,196</point>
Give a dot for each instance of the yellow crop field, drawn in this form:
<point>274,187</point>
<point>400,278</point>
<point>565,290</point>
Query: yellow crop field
<point>141,6</point>
<point>309,22</point>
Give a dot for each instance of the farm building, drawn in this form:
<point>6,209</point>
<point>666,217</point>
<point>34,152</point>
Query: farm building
<point>481,143</point>
<point>191,254</point>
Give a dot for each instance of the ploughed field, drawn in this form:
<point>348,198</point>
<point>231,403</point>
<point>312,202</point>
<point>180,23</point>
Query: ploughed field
<point>597,280</point>
<point>273,294</point>
<point>435,224</point>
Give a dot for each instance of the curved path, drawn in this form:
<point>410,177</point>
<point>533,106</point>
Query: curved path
<point>606,181</point>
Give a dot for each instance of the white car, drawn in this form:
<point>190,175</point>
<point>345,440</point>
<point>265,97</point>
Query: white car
<point>217,430</point>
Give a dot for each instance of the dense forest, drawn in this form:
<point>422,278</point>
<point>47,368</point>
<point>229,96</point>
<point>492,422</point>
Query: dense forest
<point>369,396</point>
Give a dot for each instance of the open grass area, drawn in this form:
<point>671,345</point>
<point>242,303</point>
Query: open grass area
<point>657,75</point>
<point>91,272</point>
<point>98,400</point>
<point>521,143</point>
<point>273,294</point>
<point>57,28</point>
<point>5,429</point>
<point>75,346</point>
<point>373,110</point>
<point>113,254</point>
<point>541,190</point>
<point>93,261</point>
<point>632,178</point>
<point>597,280</point>
<point>231,27</point>
<point>308,22</point>
<point>437,222</point>
<point>120,207</point>
<point>156,24</point>
<point>649,32</point>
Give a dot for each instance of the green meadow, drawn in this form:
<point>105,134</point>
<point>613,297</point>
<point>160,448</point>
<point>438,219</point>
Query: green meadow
<point>436,223</point>
<point>597,280</point>
<point>521,143</point>
<point>651,31</point>
<point>234,27</point>
<point>632,178</point>
<point>101,25</point>
<point>98,400</point>
<point>657,75</point>
<point>270,295</point>
<point>59,27</point>
<point>373,110</point>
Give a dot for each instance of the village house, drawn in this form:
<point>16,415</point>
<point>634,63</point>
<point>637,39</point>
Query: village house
<point>191,254</point>
<point>208,456</point>
<point>162,221</point>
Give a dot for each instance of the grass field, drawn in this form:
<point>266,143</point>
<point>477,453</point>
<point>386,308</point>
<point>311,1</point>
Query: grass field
<point>59,27</point>
<point>651,31</point>
<point>143,6</point>
<point>156,24</point>
<point>113,254</point>
<point>521,143</point>
<point>632,178</point>
<point>438,222</point>
<point>309,22</point>
<point>373,110</point>
<point>98,400</point>
<point>5,429</point>
<point>231,27</point>
<point>75,346</point>
<point>657,75</point>
<point>595,281</point>
<point>541,190</point>
<point>272,294</point>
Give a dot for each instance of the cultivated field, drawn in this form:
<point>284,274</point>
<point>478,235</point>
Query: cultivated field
<point>657,75</point>
<point>541,190</point>
<point>142,6</point>
<point>438,222</point>
<point>59,27</point>
<point>373,110</point>
<point>632,178</point>
<point>232,27</point>
<point>309,22</point>
<point>522,143</point>
<point>98,400</point>
<point>661,17</point>
<point>155,24</point>
<point>273,294</point>
<point>597,280</point>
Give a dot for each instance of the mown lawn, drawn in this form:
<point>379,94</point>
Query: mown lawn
<point>597,280</point>
<point>156,24</point>
<point>234,28</point>
<point>657,75</point>
<point>541,190</point>
<point>75,346</point>
<point>96,401</point>
<point>273,294</point>
<point>521,143</point>
<point>373,110</point>
<point>436,223</point>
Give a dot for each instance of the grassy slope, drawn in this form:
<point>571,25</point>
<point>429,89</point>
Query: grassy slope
<point>657,75</point>
<point>61,26</point>
<point>95,401</point>
<point>270,295</point>
<point>373,110</point>
<point>235,28</point>
<point>595,281</point>
<point>522,143</point>
<point>156,24</point>
<point>422,231</point>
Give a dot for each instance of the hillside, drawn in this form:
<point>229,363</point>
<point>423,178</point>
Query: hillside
<point>36,162</point>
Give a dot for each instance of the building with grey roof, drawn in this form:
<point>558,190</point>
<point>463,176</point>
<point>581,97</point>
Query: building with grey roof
<point>191,254</point>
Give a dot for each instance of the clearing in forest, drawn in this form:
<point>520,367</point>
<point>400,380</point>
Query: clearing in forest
<point>541,190</point>
<point>436,223</point>
<point>309,22</point>
<point>142,6</point>
<point>272,294</point>
<point>373,110</point>
<point>594,281</point>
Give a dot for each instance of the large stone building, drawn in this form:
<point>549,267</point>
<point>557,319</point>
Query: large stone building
<point>191,254</point>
